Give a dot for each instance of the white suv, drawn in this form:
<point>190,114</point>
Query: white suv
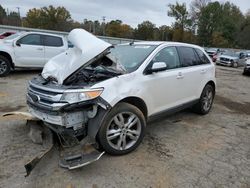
<point>29,50</point>
<point>108,93</point>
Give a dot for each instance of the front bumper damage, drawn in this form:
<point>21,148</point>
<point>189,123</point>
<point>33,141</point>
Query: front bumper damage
<point>72,127</point>
<point>74,153</point>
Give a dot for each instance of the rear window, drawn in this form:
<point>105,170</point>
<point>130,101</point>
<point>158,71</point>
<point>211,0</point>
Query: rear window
<point>202,56</point>
<point>188,56</point>
<point>53,41</point>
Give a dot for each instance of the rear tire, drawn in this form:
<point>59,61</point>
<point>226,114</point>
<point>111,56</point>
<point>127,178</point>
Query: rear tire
<point>206,100</point>
<point>5,66</point>
<point>122,129</point>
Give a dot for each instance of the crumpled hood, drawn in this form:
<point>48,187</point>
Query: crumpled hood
<point>86,47</point>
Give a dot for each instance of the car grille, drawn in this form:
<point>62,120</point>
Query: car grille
<point>224,59</point>
<point>44,98</point>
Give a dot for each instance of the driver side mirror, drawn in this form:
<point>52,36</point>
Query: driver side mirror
<point>18,43</point>
<point>157,67</point>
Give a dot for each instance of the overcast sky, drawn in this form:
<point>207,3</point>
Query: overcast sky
<point>131,12</point>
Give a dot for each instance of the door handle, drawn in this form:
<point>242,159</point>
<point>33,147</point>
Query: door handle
<point>203,71</point>
<point>39,48</point>
<point>180,76</point>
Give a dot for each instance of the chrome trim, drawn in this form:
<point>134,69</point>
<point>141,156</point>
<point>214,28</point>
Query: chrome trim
<point>82,90</point>
<point>47,88</point>
<point>52,98</point>
<point>54,106</point>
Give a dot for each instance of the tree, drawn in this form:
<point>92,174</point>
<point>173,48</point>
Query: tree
<point>231,20</point>
<point>14,19</point>
<point>243,37</point>
<point>2,15</point>
<point>195,9</point>
<point>50,17</point>
<point>182,20</point>
<point>116,28</point>
<point>209,21</point>
<point>219,23</point>
<point>165,33</point>
<point>145,31</point>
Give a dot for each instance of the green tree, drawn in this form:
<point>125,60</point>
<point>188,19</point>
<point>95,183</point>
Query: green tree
<point>145,31</point>
<point>54,18</point>
<point>2,15</point>
<point>165,33</point>
<point>182,20</point>
<point>116,28</point>
<point>231,20</point>
<point>243,37</point>
<point>209,21</point>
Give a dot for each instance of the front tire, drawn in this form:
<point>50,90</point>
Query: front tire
<point>206,100</point>
<point>234,64</point>
<point>5,66</point>
<point>122,129</point>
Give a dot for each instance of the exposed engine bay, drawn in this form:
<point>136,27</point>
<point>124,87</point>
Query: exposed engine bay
<point>98,71</point>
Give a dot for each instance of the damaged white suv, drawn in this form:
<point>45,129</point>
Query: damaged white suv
<point>108,93</point>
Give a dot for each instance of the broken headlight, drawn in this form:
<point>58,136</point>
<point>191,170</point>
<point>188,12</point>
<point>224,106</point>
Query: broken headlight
<point>74,96</point>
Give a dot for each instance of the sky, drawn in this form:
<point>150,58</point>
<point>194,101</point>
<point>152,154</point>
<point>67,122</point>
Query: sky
<point>131,12</point>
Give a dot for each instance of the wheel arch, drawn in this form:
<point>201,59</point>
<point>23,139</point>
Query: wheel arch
<point>212,83</point>
<point>138,102</point>
<point>8,56</point>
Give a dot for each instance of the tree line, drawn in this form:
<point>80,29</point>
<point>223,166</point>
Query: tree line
<point>204,23</point>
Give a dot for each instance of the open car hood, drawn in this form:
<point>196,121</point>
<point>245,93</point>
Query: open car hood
<point>87,48</point>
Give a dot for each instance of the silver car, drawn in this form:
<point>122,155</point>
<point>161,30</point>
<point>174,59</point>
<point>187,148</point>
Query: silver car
<point>232,59</point>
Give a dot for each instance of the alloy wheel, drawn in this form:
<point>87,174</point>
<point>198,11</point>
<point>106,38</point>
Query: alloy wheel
<point>207,100</point>
<point>123,131</point>
<point>3,66</point>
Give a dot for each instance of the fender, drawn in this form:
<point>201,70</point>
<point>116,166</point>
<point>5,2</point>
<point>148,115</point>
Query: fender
<point>94,124</point>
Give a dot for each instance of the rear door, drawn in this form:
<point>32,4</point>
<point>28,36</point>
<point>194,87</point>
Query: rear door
<point>29,51</point>
<point>194,72</point>
<point>53,46</point>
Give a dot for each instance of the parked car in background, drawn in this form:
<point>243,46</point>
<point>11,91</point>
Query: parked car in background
<point>87,91</point>
<point>29,50</point>
<point>212,52</point>
<point>248,53</point>
<point>217,55</point>
<point>6,34</point>
<point>247,68</point>
<point>232,59</point>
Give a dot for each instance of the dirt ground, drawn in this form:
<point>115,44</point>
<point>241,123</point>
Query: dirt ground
<point>183,150</point>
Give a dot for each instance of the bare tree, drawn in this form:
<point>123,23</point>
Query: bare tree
<point>195,8</point>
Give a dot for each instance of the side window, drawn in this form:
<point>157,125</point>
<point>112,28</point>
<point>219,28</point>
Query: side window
<point>188,57</point>
<point>53,41</point>
<point>168,55</point>
<point>32,39</point>
<point>202,56</point>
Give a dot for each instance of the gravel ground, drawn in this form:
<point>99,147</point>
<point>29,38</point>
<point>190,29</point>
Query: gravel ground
<point>183,150</point>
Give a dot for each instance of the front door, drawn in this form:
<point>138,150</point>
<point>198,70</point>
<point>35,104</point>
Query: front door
<point>29,51</point>
<point>164,90</point>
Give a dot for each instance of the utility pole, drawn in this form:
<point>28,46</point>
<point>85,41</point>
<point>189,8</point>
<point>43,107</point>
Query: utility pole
<point>18,10</point>
<point>103,25</point>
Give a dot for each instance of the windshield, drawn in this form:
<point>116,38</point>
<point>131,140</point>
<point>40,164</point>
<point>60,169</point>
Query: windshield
<point>12,36</point>
<point>130,56</point>
<point>212,50</point>
<point>231,53</point>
